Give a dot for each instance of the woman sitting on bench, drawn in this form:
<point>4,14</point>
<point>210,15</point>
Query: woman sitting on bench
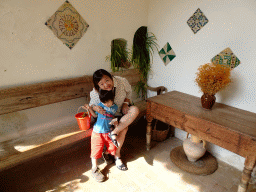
<point>128,113</point>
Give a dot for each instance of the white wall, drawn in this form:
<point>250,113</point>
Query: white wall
<point>30,52</point>
<point>231,24</point>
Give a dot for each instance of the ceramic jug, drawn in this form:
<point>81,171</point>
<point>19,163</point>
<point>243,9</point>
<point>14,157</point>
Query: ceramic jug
<point>194,148</point>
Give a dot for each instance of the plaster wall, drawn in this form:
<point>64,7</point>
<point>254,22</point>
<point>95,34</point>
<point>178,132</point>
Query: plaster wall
<point>231,24</point>
<point>31,53</point>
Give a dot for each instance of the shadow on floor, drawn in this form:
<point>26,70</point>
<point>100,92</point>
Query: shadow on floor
<point>66,169</point>
<point>52,171</point>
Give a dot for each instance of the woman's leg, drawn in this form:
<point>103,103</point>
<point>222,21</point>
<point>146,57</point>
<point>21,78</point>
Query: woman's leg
<point>122,129</point>
<point>120,139</point>
<point>126,120</point>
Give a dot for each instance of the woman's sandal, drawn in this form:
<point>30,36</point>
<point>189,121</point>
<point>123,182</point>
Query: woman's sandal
<point>121,167</point>
<point>113,139</point>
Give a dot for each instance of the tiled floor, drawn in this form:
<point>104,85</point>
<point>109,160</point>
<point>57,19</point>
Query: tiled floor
<point>69,170</point>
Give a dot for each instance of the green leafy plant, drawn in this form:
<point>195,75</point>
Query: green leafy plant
<point>144,43</point>
<point>120,56</point>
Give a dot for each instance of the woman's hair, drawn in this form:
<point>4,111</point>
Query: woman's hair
<point>97,76</point>
<point>106,95</point>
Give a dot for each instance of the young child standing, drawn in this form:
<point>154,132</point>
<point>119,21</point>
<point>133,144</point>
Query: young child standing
<point>101,130</point>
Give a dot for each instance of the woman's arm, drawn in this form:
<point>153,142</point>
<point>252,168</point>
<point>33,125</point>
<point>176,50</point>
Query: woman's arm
<point>128,90</point>
<point>127,100</point>
<point>125,106</point>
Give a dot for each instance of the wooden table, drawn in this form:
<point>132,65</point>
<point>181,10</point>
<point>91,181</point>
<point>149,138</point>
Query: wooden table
<point>228,127</point>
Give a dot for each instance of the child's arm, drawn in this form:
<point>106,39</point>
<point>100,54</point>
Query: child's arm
<point>90,110</point>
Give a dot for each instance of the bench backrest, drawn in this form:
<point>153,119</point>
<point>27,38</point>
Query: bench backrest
<point>39,94</point>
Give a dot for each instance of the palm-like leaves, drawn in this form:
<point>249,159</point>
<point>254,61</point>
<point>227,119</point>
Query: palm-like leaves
<point>143,48</point>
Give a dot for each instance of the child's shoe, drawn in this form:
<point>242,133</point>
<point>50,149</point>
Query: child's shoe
<point>97,175</point>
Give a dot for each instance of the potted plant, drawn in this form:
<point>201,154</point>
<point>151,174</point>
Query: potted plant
<point>120,56</point>
<point>144,43</point>
<point>212,78</point>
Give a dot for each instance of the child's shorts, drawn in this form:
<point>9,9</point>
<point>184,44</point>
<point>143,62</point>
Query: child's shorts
<point>98,140</point>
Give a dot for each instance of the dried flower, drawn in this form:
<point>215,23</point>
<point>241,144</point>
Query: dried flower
<point>212,78</point>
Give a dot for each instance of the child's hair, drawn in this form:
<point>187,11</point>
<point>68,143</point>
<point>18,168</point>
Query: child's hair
<point>106,95</point>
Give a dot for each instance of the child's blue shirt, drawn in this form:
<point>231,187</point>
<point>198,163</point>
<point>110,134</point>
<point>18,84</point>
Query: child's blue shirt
<point>102,124</point>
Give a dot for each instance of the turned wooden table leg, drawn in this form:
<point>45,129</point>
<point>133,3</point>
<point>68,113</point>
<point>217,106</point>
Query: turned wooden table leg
<point>148,135</point>
<point>149,126</point>
<point>246,175</point>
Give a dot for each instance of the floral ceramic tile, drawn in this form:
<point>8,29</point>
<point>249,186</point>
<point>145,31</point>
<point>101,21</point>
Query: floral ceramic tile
<point>197,21</point>
<point>167,54</point>
<point>67,24</point>
<point>227,58</point>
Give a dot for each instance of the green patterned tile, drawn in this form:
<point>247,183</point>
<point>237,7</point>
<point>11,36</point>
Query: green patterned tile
<point>227,58</point>
<point>167,54</point>
<point>197,21</point>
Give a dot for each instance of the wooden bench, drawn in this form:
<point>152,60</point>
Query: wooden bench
<point>15,99</point>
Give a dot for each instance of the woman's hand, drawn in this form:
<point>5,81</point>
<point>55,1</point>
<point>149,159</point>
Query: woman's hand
<point>125,108</point>
<point>99,109</point>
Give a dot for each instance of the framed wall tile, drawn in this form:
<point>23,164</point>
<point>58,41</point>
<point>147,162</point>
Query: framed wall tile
<point>197,21</point>
<point>167,54</point>
<point>227,58</point>
<point>67,24</point>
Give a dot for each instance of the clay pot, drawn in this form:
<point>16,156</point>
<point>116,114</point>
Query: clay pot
<point>194,148</point>
<point>207,101</point>
<point>125,64</point>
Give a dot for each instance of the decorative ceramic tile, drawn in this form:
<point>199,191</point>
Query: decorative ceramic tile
<point>167,54</point>
<point>67,24</point>
<point>227,58</point>
<point>197,21</point>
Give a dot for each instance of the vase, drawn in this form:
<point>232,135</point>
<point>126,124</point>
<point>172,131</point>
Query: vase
<point>194,148</point>
<point>125,64</point>
<point>207,101</point>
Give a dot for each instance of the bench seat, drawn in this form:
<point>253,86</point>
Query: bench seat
<point>36,144</point>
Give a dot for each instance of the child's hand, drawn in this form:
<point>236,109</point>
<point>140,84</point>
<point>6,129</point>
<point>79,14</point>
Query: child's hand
<point>114,122</point>
<point>86,106</point>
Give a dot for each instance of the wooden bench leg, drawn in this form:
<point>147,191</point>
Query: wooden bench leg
<point>246,175</point>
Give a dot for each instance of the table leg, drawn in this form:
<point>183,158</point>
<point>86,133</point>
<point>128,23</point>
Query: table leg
<point>246,175</point>
<point>149,129</point>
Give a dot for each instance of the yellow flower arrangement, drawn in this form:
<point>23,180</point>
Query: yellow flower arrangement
<point>212,78</point>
